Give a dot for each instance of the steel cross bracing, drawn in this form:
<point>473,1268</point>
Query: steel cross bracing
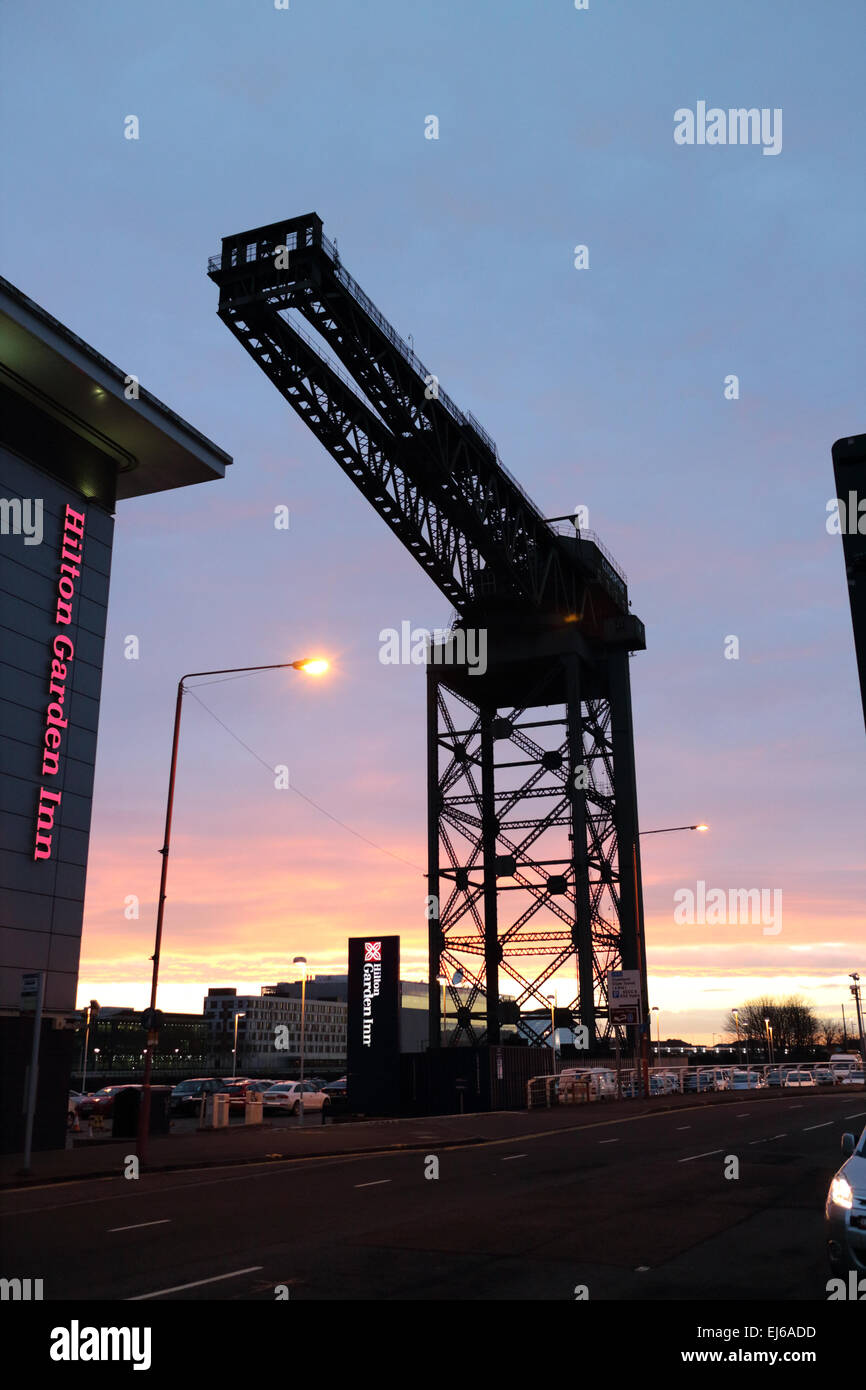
<point>555,609</point>
<point>539,890</point>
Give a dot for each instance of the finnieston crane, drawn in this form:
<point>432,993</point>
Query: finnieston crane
<point>533,851</point>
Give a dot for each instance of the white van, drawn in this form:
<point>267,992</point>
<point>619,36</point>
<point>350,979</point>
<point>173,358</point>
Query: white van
<point>602,1080</point>
<point>842,1062</point>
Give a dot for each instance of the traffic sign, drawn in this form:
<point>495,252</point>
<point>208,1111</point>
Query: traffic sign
<point>624,996</point>
<point>29,989</point>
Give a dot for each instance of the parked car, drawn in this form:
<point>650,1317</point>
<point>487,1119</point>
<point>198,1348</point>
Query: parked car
<point>570,1074</point>
<point>186,1096</point>
<point>703,1080</point>
<point>287,1095</point>
<point>241,1089</point>
<point>799,1078</point>
<point>604,1079</point>
<point>845,1210</point>
<point>773,1076</point>
<point>102,1102</point>
<point>840,1062</point>
<point>823,1076</point>
<point>336,1088</point>
<point>747,1081</point>
<point>854,1078</point>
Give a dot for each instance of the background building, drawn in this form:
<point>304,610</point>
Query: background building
<point>115,1047</point>
<point>78,435</point>
<point>263,1014</point>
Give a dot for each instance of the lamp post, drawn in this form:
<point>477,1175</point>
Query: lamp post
<point>664,830</point>
<point>235,1048</point>
<point>769,1034</point>
<point>551,999</point>
<point>302,961</point>
<point>656,1010</point>
<point>314,666</point>
<point>855,990</point>
<point>443,981</point>
<point>93,1008</point>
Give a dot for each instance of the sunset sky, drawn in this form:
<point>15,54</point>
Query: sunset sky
<point>603,387</point>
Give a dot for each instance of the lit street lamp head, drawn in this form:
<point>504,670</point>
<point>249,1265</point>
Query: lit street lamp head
<point>313,665</point>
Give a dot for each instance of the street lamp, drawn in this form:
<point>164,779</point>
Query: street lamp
<point>235,1048</point>
<point>443,981</point>
<point>313,666</point>
<point>93,1008</point>
<point>669,829</point>
<point>769,1033</point>
<point>302,961</point>
<point>645,1043</point>
<point>551,999</point>
<point>855,990</point>
<point>656,1010</point>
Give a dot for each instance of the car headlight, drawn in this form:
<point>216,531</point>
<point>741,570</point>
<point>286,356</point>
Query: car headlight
<point>841,1194</point>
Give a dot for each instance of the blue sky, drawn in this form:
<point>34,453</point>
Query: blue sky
<point>602,387</point>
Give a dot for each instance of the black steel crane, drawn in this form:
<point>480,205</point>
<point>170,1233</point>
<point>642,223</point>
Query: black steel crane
<point>533,852</point>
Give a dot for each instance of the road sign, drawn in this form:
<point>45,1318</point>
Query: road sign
<point>29,989</point>
<point>624,996</point>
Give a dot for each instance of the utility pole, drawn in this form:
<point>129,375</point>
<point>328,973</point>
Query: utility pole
<point>855,990</point>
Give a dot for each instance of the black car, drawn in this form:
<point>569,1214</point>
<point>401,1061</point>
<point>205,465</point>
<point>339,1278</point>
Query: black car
<point>186,1097</point>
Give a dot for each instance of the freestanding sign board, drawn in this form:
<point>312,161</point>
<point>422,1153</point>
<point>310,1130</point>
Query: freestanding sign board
<point>373,1041</point>
<point>623,996</point>
<point>29,990</point>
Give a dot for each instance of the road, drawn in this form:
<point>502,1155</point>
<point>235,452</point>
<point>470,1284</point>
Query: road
<point>627,1207</point>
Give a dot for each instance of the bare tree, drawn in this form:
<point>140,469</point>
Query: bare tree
<point>792,1021</point>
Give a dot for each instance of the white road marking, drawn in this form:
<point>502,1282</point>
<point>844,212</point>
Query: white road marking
<point>177,1288</point>
<point>608,1141</point>
<point>112,1230</point>
<point>378,1183</point>
<point>777,1136</point>
<point>506,1157</point>
<point>683,1126</point>
<point>708,1154</point>
<point>795,1107</point>
<point>744,1114</point>
<point>825,1125</point>
<point>855,1114</point>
